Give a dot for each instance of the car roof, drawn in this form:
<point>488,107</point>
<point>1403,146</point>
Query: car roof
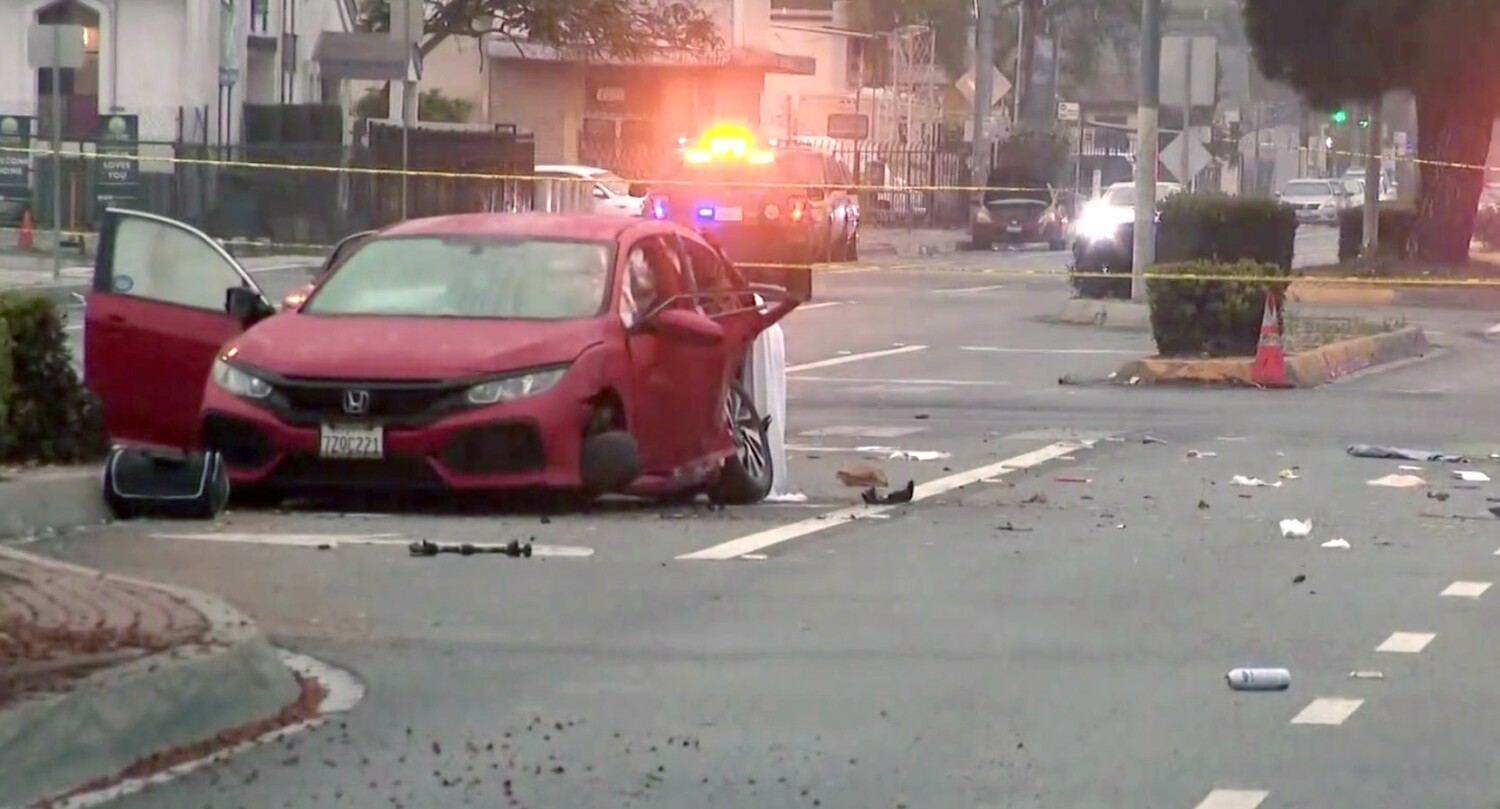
<point>587,226</point>
<point>586,171</point>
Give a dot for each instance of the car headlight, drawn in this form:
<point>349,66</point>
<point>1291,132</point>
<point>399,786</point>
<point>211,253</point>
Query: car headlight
<point>239,381</point>
<point>516,386</point>
<point>1098,228</point>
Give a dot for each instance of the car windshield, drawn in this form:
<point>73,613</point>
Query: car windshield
<point>1305,190</point>
<point>469,276</point>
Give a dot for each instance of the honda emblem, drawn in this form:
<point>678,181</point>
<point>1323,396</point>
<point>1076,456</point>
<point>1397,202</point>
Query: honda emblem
<point>356,402</point>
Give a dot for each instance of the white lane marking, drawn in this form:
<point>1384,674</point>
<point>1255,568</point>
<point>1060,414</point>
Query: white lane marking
<point>860,432</point>
<point>848,358</point>
<point>1327,711</point>
<point>1006,350</point>
<point>914,382</point>
<point>808,307</point>
<point>1406,642</point>
<point>969,290</point>
<point>759,541</point>
<point>381,540</point>
<point>1233,799</point>
<point>1466,589</point>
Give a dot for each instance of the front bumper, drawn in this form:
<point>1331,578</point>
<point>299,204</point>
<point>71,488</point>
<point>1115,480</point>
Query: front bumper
<point>1318,215</point>
<point>532,442</point>
<point>1011,233</point>
<point>761,243</point>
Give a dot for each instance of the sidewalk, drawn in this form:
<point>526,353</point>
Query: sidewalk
<point>102,677</point>
<point>910,243</point>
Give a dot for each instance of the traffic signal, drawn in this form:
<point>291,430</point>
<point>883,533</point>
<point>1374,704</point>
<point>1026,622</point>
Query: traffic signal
<point>1365,122</point>
<point>1340,116</point>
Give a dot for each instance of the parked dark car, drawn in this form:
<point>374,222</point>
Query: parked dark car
<point>1020,208</point>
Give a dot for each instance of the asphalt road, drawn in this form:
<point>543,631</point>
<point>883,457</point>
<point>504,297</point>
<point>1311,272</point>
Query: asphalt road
<point>1048,636</point>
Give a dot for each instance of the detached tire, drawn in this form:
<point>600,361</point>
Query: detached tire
<point>747,476</point>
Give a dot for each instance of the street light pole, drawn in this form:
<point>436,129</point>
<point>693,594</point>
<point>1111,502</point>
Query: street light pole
<point>57,115</point>
<point>1146,127</point>
<point>984,90</point>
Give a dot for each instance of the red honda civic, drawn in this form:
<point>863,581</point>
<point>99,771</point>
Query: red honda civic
<point>468,352</point>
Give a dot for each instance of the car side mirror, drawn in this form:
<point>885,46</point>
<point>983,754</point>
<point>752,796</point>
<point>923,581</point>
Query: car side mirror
<point>246,305</point>
<point>638,190</point>
<point>294,299</point>
<point>686,326</point>
<point>817,193</point>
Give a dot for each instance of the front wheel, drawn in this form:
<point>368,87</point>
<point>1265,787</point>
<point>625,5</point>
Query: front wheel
<point>747,476</point>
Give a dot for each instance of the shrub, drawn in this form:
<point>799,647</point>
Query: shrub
<point>1193,318</point>
<point>1221,228</point>
<point>6,373</point>
<point>1396,223</point>
<point>51,418</point>
<point>1487,227</point>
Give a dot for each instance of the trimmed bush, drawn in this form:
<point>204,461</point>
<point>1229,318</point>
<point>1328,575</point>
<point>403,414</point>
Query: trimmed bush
<point>6,373</point>
<point>1221,228</point>
<point>1396,223</point>
<point>51,418</point>
<point>1192,318</point>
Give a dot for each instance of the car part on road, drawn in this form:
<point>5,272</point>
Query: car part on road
<point>1259,679</point>
<point>1402,454</point>
<point>1296,528</point>
<point>873,497</point>
<point>745,478</point>
<point>145,483</point>
<point>426,547</point>
<point>1336,544</point>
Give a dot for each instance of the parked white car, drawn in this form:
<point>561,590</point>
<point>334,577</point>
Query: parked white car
<point>611,192</point>
<point>1316,200</point>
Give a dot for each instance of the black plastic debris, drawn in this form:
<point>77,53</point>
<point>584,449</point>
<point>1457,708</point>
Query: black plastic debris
<point>426,547</point>
<point>1402,454</point>
<point>873,497</point>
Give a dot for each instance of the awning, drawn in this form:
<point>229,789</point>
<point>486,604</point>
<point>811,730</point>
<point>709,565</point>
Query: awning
<point>364,56</point>
<point>757,58</point>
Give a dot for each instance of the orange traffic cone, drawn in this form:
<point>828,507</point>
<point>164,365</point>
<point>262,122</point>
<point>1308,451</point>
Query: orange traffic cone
<point>27,239</point>
<point>1269,370</point>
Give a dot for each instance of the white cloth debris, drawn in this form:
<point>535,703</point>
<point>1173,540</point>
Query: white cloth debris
<point>918,455</point>
<point>1399,482</point>
<point>1340,544</point>
<point>1193,453</point>
<point>1471,477</point>
<point>1241,480</point>
<point>1296,528</point>
<point>766,375</point>
<point>1409,468</point>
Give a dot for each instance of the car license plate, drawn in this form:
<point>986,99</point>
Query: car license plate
<point>728,215</point>
<point>351,442</point>
<point>1013,228</point>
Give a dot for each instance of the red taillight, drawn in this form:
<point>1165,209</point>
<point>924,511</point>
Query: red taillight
<point>798,207</point>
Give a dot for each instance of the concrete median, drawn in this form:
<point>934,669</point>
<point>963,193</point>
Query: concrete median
<point>1308,369</point>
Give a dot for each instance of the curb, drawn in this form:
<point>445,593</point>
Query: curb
<point>1107,314</point>
<point>1431,297</point>
<point>113,718</point>
<point>52,500</point>
<point>1309,369</point>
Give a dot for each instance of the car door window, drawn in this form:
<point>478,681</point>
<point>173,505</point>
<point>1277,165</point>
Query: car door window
<point>652,275</point>
<point>709,276</point>
<point>167,263</point>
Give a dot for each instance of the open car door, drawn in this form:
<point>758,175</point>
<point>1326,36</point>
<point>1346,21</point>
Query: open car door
<point>155,320</point>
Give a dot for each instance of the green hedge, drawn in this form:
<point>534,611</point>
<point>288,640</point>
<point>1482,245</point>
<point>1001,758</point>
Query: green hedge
<point>50,417</point>
<point>1200,227</point>
<point>1396,223</point>
<point>6,374</point>
<point>1191,318</point>
<point>1487,227</point>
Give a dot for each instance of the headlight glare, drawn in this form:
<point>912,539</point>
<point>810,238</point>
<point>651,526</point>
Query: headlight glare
<point>514,387</point>
<point>240,382</point>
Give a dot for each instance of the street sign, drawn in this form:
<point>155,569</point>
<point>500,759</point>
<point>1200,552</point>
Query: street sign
<point>1069,111</point>
<point>15,167</point>
<point>118,178</point>
<point>55,46</point>
<point>1197,156</point>
<point>848,126</point>
<point>1000,88</point>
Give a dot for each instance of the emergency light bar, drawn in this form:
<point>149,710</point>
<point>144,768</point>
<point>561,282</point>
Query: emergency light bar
<point>726,142</point>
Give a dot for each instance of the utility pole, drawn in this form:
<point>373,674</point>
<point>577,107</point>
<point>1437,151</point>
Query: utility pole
<point>1146,127</point>
<point>984,90</point>
<point>57,168</point>
<point>1374,173</point>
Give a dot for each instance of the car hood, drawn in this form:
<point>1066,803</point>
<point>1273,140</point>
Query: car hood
<point>409,348</point>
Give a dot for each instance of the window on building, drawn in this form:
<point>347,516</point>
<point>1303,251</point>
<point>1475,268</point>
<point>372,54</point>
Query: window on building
<point>79,87</point>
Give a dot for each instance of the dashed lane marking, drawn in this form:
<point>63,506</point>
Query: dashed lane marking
<point>1327,711</point>
<point>1008,350</point>
<point>761,540</point>
<point>970,290</point>
<point>848,358</point>
<point>856,431</point>
<point>1233,799</point>
<point>1406,642</point>
<point>1466,589</point>
<point>807,307</point>
<point>952,383</point>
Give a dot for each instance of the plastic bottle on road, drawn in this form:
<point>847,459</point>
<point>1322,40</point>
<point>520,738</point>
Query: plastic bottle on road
<point>1259,679</point>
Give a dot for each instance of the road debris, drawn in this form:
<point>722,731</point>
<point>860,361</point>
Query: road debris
<point>1194,454</point>
<point>1409,468</point>
<point>918,455</point>
<point>1398,482</point>
<point>1148,439</point>
<point>1432,515</point>
<point>1291,473</point>
<point>1366,675</point>
<point>1241,480</point>
<point>426,547</point>
<point>1402,454</point>
<point>1008,527</point>
<point>1299,578</point>
<point>1203,505</point>
<point>873,497</point>
<point>1040,498</point>
<point>1469,476</point>
<point>1336,544</point>
<point>1296,528</point>
<point>1441,497</point>
<point>862,475</point>
<point>1259,679</point>
<point>1072,479</point>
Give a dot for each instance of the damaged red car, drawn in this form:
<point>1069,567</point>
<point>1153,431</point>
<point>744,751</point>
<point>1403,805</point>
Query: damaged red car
<point>476,352</point>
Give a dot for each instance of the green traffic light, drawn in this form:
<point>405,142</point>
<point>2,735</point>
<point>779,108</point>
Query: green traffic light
<point>1340,116</point>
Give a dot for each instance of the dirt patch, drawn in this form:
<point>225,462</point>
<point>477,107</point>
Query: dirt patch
<point>35,660</point>
<point>1308,333</point>
<point>1480,265</point>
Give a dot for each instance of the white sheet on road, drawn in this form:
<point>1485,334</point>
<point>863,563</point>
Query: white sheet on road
<point>766,376</point>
